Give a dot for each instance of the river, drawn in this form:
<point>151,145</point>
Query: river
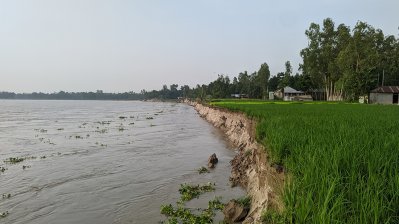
<point>104,161</point>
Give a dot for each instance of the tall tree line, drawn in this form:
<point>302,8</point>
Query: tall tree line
<point>348,63</point>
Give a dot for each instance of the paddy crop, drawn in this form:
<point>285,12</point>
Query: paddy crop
<point>341,160</point>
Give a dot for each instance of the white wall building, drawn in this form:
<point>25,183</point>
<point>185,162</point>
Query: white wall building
<point>385,95</point>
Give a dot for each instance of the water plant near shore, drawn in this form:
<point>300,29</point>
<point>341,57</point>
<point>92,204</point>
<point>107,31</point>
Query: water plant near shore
<point>14,160</point>
<point>202,170</point>
<point>189,191</point>
<point>342,159</point>
<point>6,195</point>
<point>25,167</point>
<point>4,214</point>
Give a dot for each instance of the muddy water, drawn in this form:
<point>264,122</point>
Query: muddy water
<point>104,161</point>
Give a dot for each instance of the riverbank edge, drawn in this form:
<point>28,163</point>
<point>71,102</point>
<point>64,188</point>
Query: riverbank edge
<point>250,166</point>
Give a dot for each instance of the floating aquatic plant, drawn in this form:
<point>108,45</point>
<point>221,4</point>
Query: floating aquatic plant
<point>14,160</point>
<point>4,214</point>
<point>181,214</point>
<point>25,167</point>
<point>189,192</point>
<point>6,195</point>
<point>203,170</point>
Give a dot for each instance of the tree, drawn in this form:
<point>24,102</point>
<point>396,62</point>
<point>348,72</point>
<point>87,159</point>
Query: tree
<point>285,81</point>
<point>360,60</point>
<point>263,79</point>
<point>319,58</point>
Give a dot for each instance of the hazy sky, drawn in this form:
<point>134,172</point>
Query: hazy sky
<point>121,45</point>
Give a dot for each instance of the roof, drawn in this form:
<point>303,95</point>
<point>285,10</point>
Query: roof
<point>386,89</point>
<point>291,90</point>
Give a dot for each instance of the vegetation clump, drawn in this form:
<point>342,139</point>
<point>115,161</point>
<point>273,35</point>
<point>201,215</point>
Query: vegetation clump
<point>25,167</point>
<point>244,201</point>
<point>6,195</point>
<point>189,192</point>
<point>203,170</point>
<point>2,169</point>
<point>4,214</point>
<point>14,160</point>
<point>181,214</point>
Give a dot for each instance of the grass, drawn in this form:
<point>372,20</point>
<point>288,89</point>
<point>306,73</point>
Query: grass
<point>342,159</point>
<point>244,201</point>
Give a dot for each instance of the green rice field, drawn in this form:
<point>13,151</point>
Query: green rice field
<point>342,160</point>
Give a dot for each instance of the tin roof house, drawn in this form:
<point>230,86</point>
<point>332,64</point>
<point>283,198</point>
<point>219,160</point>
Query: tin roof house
<point>290,94</point>
<point>385,95</point>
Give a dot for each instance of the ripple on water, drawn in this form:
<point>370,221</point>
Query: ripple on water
<point>114,176</point>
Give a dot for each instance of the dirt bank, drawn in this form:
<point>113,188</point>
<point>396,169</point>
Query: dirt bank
<point>250,167</point>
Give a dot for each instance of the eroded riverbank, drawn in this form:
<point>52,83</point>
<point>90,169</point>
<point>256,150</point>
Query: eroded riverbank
<point>250,167</point>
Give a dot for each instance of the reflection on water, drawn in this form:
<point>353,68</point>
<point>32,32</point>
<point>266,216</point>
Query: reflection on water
<point>104,161</point>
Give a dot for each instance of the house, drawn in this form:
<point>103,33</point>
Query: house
<point>288,94</point>
<point>385,95</point>
<point>239,96</point>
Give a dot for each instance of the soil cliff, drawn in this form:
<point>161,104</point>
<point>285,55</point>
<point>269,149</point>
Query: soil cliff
<point>250,167</point>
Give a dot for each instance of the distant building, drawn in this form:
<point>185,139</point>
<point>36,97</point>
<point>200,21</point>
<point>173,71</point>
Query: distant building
<point>238,96</point>
<point>235,95</point>
<point>290,94</point>
<point>385,95</point>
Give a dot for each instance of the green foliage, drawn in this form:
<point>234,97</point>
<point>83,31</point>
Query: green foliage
<point>244,201</point>
<point>180,214</point>
<point>6,195</point>
<point>342,159</point>
<point>349,64</point>
<point>14,160</point>
<point>272,217</point>
<point>189,192</point>
<point>203,170</point>
<point>4,214</point>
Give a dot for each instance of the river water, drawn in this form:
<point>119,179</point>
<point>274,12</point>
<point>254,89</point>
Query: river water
<point>104,161</point>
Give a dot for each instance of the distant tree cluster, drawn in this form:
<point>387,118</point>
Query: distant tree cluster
<point>349,63</point>
<point>341,62</point>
